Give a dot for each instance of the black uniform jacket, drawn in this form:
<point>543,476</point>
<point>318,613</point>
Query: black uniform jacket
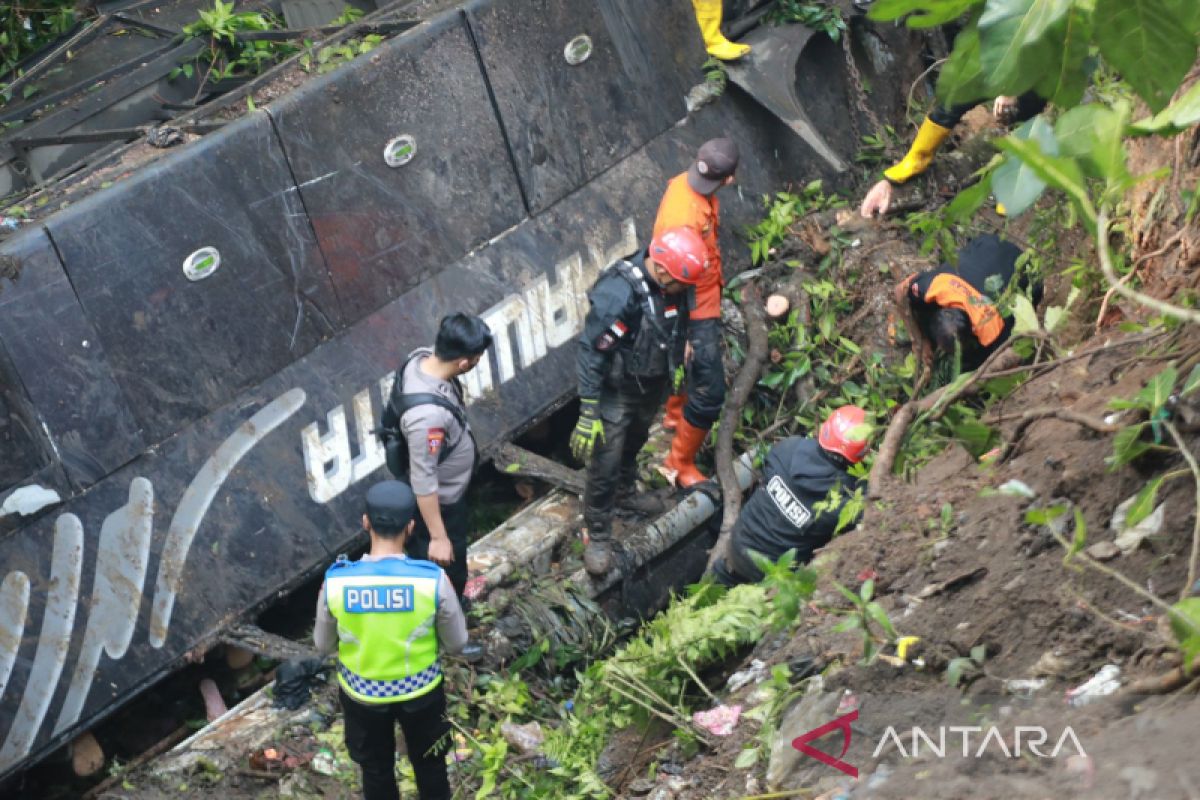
<point>617,341</point>
<point>780,515</point>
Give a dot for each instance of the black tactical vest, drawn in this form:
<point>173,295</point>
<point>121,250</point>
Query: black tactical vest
<point>649,355</point>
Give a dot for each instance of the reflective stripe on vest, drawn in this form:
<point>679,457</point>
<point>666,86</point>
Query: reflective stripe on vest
<point>951,291</point>
<point>386,613</point>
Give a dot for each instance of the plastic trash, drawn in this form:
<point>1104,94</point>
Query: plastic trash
<point>1103,683</point>
<point>324,762</point>
<point>294,681</point>
<point>476,587</point>
<point>755,673</point>
<point>719,721</point>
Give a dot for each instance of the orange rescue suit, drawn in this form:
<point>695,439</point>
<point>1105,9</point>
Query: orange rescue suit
<point>951,291</point>
<point>683,205</point>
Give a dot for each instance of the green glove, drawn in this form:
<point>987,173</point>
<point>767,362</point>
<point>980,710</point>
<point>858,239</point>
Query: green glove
<point>588,430</point>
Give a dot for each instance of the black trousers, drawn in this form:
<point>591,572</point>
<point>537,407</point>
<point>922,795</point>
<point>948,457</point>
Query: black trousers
<point>371,740</point>
<point>706,374</point>
<point>1029,105</point>
<point>454,517</point>
<point>627,412</point>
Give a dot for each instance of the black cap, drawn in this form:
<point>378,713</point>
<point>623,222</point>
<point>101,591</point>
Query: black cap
<point>716,161</point>
<point>390,507</point>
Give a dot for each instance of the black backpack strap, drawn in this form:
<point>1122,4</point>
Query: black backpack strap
<point>399,402</point>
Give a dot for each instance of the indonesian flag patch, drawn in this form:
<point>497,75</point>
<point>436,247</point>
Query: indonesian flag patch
<point>608,340</point>
<point>434,440</point>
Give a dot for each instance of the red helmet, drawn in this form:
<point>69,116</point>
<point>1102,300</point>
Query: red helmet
<point>835,434</point>
<point>681,252</point>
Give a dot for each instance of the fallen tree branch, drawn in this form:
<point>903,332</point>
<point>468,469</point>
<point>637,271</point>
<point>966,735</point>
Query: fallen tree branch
<point>1002,355</point>
<point>511,459</point>
<point>1195,468</point>
<point>743,385</point>
<point>1065,414</point>
<point>937,402</point>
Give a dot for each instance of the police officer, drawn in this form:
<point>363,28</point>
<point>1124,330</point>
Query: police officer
<point>691,200</point>
<point>782,513</point>
<point>390,617</point>
<point>427,409</point>
<point>632,338</point>
<point>954,308</point>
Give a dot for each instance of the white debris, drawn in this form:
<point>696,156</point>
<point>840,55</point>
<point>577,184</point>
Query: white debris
<point>29,500</point>
<point>1016,488</point>
<point>1102,684</point>
<point>1130,539</point>
<point>755,673</point>
<point>1023,687</point>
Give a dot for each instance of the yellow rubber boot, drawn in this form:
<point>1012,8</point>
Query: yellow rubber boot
<point>708,15</point>
<point>920,155</point>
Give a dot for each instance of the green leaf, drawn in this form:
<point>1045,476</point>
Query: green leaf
<point>1010,35</point>
<point>1192,383</point>
<point>1128,444</point>
<point>1061,173</point>
<point>849,595</point>
<point>1147,44</point>
<point>880,617</point>
<point>1066,76</point>
<point>1181,114</point>
<point>974,436</point>
<point>747,758</point>
<point>1143,504</point>
<point>1017,184</point>
<point>961,79</point>
<point>969,200</point>
<point>924,13</point>
<point>955,670</point>
<point>1079,539</point>
<point>1154,395</point>
<point>1043,516</point>
<point>1024,316</point>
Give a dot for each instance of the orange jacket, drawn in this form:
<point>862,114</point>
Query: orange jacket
<point>682,205</point>
<point>951,291</point>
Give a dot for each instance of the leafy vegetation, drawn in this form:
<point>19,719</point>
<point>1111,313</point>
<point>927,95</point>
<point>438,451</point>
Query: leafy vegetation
<point>25,28</point>
<point>868,618</point>
<point>820,16</point>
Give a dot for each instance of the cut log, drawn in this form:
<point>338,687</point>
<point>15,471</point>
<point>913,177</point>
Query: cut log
<point>513,460</point>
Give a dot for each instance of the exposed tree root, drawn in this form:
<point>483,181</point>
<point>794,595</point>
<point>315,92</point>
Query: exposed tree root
<point>743,385</point>
<point>1065,414</point>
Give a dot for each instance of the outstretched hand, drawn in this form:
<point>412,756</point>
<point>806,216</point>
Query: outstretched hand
<point>877,201</point>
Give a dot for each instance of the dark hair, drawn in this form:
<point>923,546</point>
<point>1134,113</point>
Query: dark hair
<point>461,336</point>
<point>949,329</point>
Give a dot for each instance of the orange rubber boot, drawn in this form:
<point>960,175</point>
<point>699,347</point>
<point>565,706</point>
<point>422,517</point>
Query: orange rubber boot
<point>675,404</point>
<point>682,460</point>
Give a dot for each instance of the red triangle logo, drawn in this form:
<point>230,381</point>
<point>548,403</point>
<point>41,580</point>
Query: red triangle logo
<point>842,723</point>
